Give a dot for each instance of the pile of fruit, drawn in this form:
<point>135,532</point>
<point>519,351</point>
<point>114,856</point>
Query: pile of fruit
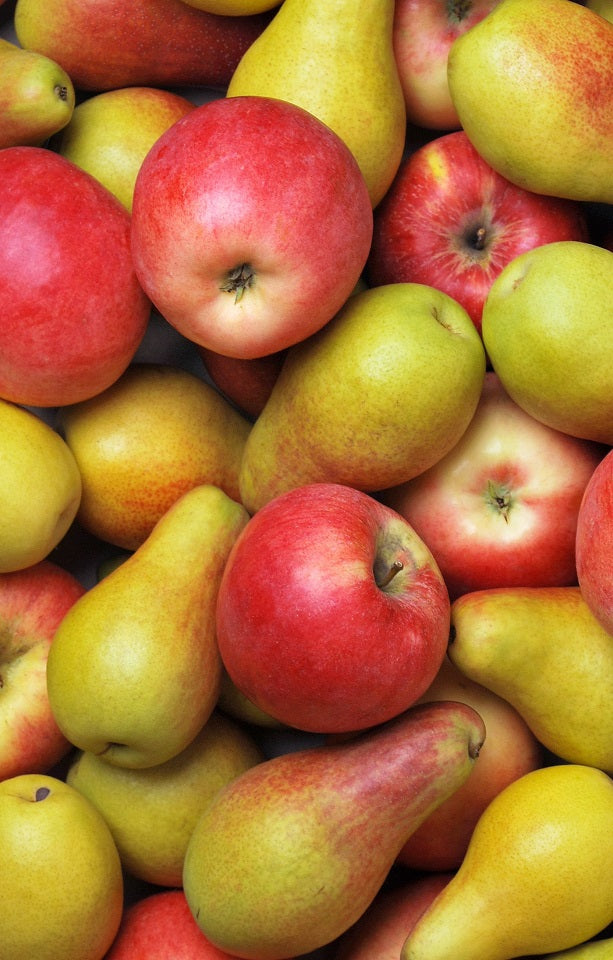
<point>306,471</point>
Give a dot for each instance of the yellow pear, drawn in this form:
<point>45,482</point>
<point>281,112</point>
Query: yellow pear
<point>543,651</point>
<point>335,58</point>
<point>61,885</point>
<point>537,876</point>
<point>37,96</point>
<point>151,813</point>
<point>532,84</point>
<point>155,433</point>
<point>601,949</point>
<point>133,671</point>
<point>40,488</point>
<point>110,134</point>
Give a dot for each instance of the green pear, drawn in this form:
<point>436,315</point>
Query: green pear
<point>335,58</point>
<point>37,96</point>
<point>40,488</point>
<point>376,397</point>
<point>532,84</point>
<point>133,672</point>
<point>536,876</point>
<point>110,134</point>
<point>547,330</point>
<point>291,853</point>
<point>542,650</point>
<point>151,813</point>
<point>61,885</point>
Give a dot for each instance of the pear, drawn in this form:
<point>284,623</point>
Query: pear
<point>110,134</point>
<point>37,96</point>
<point>234,8</point>
<point>291,853</point>
<point>377,396</point>
<point>40,488</point>
<point>537,874</point>
<point>152,435</point>
<point>151,813</point>
<point>335,58</point>
<point>133,672</point>
<point>61,885</point>
<point>601,949</point>
<point>543,651</point>
<point>546,328</point>
<point>532,84</point>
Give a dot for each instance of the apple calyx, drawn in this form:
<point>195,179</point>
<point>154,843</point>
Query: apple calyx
<point>61,92</point>
<point>41,794</point>
<point>499,497</point>
<point>458,10</point>
<point>395,568</point>
<point>238,280</point>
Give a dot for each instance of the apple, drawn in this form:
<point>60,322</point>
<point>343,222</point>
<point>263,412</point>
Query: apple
<point>424,31</point>
<point>594,545</point>
<point>251,225</point>
<point>450,221</point>
<point>33,603</point>
<point>72,312</point>
<point>246,383</point>
<point>332,615</point>
<point>500,509</point>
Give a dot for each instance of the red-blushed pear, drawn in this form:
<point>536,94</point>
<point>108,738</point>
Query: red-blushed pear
<point>423,33</point>
<point>341,600</point>
<point>72,312</point>
<point>33,603</point>
<point>316,831</point>
<point>160,926</point>
<point>37,96</point>
<point>532,84</point>
<point>594,545</point>
<point>500,509</point>
<point>251,224</point>
<point>105,45</point>
<point>450,221</point>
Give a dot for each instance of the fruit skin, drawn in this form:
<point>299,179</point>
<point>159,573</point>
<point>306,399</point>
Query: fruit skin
<point>33,602</point>
<point>336,61</point>
<point>537,874</point>
<point>133,672</point>
<point>305,592</point>
<point>72,313</point>
<point>246,383</point>
<point>105,45</point>
<point>450,221</point>
<point>500,509</point>
<point>61,886</point>
<point>543,651</point>
<point>423,34</point>
<point>251,224</point>
<point>37,96</point>
<point>603,7</point>
<point>532,85</point>
<point>157,432</point>
<point>545,329</point>
<point>315,831</point>
<point>151,813</point>
<point>110,134</point>
<point>601,949</point>
<point>594,543</point>
<point>380,394</point>
<point>40,488</point>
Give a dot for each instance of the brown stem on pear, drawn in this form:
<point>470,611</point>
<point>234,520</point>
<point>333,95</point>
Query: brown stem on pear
<point>395,568</point>
<point>238,280</point>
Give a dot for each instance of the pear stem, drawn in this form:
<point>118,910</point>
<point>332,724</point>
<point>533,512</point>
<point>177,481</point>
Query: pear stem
<point>395,568</point>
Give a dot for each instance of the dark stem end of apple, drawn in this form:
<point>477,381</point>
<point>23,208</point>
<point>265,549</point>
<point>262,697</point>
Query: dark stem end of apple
<point>238,280</point>
<point>41,794</point>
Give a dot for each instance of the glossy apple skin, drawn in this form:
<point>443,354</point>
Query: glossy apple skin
<point>594,546</point>
<point>501,508</point>
<point>302,593</point>
<point>424,31</point>
<point>33,602</point>
<point>107,44</point>
<point>72,312</point>
<point>452,222</point>
<point>246,383</point>
<point>258,184</point>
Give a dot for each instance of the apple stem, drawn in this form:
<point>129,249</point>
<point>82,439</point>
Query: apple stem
<point>480,238</point>
<point>238,280</point>
<point>395,568</point>
<point>501,500</point>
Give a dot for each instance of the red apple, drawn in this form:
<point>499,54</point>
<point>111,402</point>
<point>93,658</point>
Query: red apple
<point>449,221</point>
<point>423,33</point>
<point>251,224</point>
<point>33,602</point>
<point>332,615</point>
<point>500,509</point>
<point>594,545</point>
<point>247,383</point>
<point>72,313</point>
